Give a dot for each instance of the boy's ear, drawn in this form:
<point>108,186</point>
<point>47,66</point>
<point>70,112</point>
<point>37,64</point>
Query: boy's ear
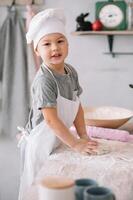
<point>36,52</point>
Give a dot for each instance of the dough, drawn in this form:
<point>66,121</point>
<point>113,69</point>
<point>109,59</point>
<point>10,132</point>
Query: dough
<point>103,148</point>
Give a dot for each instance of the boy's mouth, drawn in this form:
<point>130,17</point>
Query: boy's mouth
<point>57,55</point>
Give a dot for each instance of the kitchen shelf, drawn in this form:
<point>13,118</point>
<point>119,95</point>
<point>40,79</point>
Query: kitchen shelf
<point>103,32</point>
<point>110,36</point>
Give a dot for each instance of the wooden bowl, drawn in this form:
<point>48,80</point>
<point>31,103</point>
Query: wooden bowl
<point>107,116</point>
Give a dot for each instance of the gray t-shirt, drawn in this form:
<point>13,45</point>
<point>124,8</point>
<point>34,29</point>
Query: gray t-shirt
<point>44,91</point>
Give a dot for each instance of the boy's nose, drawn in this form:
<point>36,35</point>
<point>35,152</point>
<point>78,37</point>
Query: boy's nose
<point>54,46</point>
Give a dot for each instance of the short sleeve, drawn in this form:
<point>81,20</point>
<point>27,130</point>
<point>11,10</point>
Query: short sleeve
<point>75,75</point>
<point>79,88</point>
<point>44,93</point>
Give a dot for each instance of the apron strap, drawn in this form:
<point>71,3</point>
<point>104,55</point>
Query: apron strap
<point>43,65</point>
<point>68,68</point>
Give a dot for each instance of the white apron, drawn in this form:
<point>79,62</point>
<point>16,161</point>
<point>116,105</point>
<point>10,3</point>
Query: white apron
<point>42,141</point>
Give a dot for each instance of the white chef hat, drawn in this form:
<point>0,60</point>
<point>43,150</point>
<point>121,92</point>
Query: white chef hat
<point>46,22</point>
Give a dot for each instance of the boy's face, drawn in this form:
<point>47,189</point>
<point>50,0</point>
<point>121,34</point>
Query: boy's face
<point>53,49</point>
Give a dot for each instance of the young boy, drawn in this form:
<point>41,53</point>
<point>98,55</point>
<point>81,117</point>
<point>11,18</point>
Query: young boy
<point>55,93</point>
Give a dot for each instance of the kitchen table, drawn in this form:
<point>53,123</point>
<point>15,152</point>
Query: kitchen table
<point>113,170</point>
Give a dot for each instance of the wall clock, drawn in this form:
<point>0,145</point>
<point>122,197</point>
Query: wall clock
<point>112,14</point>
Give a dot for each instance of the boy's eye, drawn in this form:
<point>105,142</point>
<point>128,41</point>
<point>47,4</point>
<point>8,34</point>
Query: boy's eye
<point>60,41</point>
<point>46,44</point>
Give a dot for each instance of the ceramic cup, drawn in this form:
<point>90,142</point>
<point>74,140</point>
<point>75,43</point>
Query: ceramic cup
<point>56,188</point>
<point>81,184</point>
<point>98,193</point>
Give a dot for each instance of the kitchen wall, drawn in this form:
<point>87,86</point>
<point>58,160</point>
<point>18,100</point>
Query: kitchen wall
<point>104,79</point>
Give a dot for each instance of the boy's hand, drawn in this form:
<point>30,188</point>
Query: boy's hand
<point>86,146</point>
<point>85,137</point>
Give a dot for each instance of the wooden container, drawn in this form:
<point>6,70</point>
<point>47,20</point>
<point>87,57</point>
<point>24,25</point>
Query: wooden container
<point>38,2</point>
<point>6,2</point>
<point>56,188</point>
<point>28,2</point>
<point>107,116</point>
<point>23,2</point>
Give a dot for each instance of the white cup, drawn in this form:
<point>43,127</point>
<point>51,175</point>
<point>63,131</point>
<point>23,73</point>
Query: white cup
<point>55,188</point>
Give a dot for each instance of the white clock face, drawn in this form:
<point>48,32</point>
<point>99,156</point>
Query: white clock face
<point>111,16</point>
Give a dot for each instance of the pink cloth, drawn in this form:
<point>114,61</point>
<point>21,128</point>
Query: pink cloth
<point>107,133</point>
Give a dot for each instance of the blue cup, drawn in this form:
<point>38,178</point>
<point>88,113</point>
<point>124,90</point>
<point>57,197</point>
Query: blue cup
<point>81,185</point>
<point>98,193</point>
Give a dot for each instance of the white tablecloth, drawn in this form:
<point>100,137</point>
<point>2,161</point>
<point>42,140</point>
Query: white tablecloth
<point>113,170</point>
